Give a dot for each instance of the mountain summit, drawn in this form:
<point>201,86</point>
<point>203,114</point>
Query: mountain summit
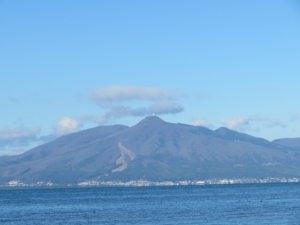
<point>152,150</point>
<point>151,121</point>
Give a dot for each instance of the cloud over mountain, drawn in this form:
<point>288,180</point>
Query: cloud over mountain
<point>111,95</point>
<point>242,123</point>
<point>274,122</point>
<point>159,108</point>
<point>239,123</point>
<point>114,113</point>
<point>202,123</point>
<point>166,107</point>
<point>18,136</point>
<point>66,125</point>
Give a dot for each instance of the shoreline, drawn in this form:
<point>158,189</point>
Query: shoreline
<point>118,186</point>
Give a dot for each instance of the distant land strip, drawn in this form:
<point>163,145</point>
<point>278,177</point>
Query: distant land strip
<point>140,183</point>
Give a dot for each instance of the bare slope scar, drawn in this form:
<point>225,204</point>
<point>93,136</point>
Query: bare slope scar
<point>121,159</point>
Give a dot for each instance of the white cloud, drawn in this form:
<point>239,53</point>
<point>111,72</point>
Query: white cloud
<point>242,123</point>
<point>18,132</point>
<point>18,136</point>
<point>116,112</point>
<point>273,123</point>
<point>66,125</point>
<point>239,123</point>
<point>159,108</point>
<point>202,123</point>
<point>111,96</point>
<point>166,107</point>
<point>108,96</point>
<point>294,116</point>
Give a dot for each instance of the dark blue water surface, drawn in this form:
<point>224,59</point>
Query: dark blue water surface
<point>212,204</point>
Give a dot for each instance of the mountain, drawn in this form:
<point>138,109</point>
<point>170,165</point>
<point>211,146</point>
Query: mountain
<point>290,142</point>
<point>152,150</point>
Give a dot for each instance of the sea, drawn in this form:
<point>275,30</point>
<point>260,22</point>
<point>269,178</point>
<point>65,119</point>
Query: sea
<point>273,203</point>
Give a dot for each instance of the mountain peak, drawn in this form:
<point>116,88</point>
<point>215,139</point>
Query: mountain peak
<point>151,120</point>
<point>223,131</point>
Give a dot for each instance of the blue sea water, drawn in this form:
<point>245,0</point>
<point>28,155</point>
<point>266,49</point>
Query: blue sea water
<point>275,203</point>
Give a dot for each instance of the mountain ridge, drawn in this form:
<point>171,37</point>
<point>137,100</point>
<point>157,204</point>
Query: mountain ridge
<point>288,142</point>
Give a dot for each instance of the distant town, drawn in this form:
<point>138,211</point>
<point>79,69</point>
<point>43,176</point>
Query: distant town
<point>139,183</point>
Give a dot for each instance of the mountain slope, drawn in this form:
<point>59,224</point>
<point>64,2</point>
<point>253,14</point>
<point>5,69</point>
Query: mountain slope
<point>152,150</point>
<point>289,142</point>
<point>47,156</point>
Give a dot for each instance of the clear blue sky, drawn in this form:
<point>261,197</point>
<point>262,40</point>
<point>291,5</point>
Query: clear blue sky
<point>71,65</point>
